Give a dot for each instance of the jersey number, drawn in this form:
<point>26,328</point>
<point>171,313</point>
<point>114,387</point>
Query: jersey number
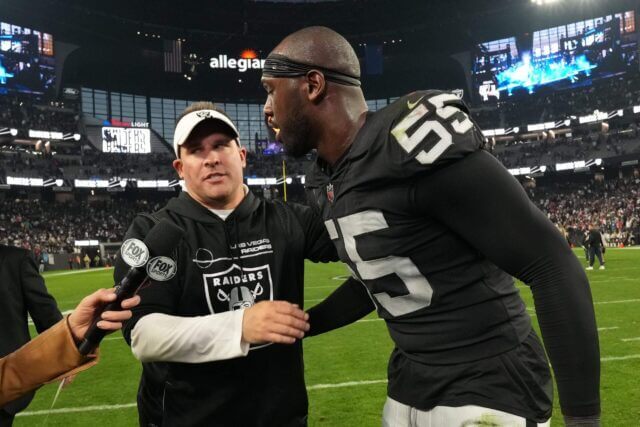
<point>418,290</point>
<point>408,143</point>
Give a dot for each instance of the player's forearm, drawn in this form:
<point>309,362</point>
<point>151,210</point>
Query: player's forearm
<point>348,303</point>
<point>160,337</point>
<point>486,206</point>
<point>567,320</point>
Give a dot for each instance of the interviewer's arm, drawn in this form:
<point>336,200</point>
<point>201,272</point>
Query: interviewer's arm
<point>54,354</point>
<point>47,357</point>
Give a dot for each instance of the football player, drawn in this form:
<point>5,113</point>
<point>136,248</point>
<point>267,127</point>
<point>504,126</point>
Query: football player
<point>435,228</point>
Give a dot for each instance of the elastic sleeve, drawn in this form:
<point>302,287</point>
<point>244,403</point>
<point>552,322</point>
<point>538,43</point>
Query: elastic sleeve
<point>162,338</point>
<point>477,198</point>
<point>348,303</point>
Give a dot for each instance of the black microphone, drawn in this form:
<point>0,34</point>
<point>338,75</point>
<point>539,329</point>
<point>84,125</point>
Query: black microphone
<point>148,260</point>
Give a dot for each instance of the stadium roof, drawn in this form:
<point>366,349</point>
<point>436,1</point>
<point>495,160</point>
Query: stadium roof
<point>418,36</point>
<point>451,25</point>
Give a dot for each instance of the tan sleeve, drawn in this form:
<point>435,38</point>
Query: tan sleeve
<point>50,356</point>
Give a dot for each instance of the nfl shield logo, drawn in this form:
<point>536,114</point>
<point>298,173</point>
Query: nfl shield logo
<point>330,193</point>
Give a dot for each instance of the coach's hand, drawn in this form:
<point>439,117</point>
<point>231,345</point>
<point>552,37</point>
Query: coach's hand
<point>274,321</point>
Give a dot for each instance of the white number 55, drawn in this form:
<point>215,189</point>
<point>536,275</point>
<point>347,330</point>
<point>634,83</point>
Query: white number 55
<point>417,287</point>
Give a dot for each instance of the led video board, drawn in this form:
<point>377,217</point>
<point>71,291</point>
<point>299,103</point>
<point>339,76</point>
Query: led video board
<point>126,140</point>
<point>27,64</point>
<point>561,57</point>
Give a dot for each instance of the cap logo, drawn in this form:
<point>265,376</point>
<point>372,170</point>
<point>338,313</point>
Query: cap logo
<point>204,114</point>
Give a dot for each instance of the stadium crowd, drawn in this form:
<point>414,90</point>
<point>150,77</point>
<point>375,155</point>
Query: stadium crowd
<point>94,164</point>
<point>581,145</point>
<point>23,113</point>
<point>54,227</point>
<point>614,206</point>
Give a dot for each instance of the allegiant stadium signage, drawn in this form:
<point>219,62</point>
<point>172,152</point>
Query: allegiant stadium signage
<point>240,64</point>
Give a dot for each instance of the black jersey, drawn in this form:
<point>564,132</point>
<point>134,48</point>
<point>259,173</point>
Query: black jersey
<point>427,282</point>
<point>256,254</point>
<point>434,226</point>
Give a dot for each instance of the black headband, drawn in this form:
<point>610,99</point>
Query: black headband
<point>280,66</point>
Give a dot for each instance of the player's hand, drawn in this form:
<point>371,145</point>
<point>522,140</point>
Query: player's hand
<point>82,316</point>
<point>591,421</point>
<point>274,321</point>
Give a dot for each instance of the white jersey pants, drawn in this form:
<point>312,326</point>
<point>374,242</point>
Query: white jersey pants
<point>396,414</point>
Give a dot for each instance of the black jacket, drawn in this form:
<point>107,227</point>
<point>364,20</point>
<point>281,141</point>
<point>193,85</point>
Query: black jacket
<point>22,292</point>
<point>594,240</point>
<point>256,254</point>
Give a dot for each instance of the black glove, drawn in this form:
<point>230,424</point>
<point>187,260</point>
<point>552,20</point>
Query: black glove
<point>591,421</point>
<point>604,250</point>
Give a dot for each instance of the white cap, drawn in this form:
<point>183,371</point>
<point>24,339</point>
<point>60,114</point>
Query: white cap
<point>186,125</point>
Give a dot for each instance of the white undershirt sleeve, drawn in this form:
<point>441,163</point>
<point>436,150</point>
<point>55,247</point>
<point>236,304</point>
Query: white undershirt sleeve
<point>161,337</point>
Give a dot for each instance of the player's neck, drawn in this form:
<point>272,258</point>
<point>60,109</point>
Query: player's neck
<point>339,135</point>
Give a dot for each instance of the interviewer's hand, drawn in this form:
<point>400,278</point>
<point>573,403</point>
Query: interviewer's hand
<point>82,316</point>
<point>274,321</point>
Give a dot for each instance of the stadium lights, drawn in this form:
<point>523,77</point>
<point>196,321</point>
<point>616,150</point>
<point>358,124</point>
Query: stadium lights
<point>544,2</point>
<point>25,182</point>
<point>81,243</point>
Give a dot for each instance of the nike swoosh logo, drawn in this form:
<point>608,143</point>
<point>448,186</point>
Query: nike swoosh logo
<point>412,105</point>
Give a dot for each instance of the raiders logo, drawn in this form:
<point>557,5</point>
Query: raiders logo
<point>237,288</point>
<point>204,114</point>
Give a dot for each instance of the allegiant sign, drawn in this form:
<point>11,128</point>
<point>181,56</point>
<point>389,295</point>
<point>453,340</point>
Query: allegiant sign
<point>240,64</point>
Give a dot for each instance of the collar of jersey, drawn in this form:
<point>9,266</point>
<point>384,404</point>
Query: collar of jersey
<point>358,148</point>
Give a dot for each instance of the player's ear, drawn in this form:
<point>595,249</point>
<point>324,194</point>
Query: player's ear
<point>316,86</point>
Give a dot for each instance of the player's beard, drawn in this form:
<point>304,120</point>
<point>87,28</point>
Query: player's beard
<point>296,134</point>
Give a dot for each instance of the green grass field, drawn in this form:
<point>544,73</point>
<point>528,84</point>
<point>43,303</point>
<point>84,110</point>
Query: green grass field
<point>345,369</point>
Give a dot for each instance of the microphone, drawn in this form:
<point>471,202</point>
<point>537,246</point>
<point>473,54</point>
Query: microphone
<point>148,260</point>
